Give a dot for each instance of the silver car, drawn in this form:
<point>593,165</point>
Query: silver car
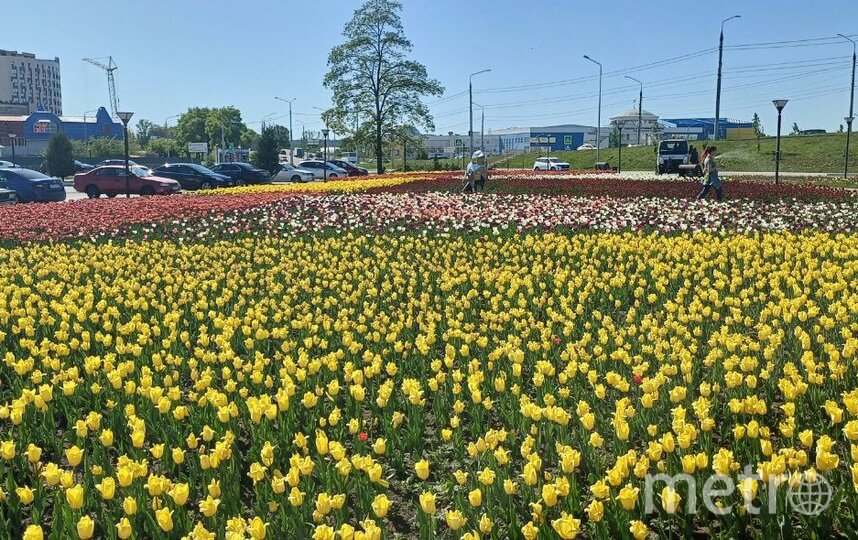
<point>317,167</point>
<point>291,173</point>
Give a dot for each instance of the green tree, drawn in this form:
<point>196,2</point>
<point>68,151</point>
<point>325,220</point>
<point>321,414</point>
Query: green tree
<point>758,126</point>
<point>374,84</point>
<point>60,156</point>
<point>217,126</point>
<point>165,147</point>
<point>267,150</point>
<point>795,129</point>
<point>191,126</point>
<point>144,131</point>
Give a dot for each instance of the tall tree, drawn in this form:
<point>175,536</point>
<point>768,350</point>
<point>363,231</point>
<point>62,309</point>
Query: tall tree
<point>214,126</point>
<point>374,84</point>
<point>267,150</point>
<point>757,124</point>
<point>144,131</point>
<point>60,156</point>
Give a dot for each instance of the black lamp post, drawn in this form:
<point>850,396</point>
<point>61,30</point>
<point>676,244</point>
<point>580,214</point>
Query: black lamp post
<point>779,105</point>
<point>14,136</point>
<point>620,147</point>
<point>125,117</point>
<point>325,153</point>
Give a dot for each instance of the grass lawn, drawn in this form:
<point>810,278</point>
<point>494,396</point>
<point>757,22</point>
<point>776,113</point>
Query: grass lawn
<point>809,153</point>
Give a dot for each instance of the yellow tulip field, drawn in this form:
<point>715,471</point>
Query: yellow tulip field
<point>407,380</point>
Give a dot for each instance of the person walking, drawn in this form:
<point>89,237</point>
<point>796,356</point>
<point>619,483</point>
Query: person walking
<point>477,173</point>
<point>710,174</point>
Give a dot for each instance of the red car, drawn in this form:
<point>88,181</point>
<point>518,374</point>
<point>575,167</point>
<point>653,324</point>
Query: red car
<point>110,180</point>
<point>351,169</point>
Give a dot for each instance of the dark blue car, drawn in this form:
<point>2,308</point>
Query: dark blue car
<point>32,186</point>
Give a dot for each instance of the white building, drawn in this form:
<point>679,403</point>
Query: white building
<point>453,144</point>
<point>27,80</point>
<point>560,137</point>
<point>649,131</point>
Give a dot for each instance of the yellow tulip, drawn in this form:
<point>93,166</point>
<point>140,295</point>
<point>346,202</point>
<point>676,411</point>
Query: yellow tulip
<point>422,469</point>
<point>85,527</point>
<point>33,532</point>
<point>427,502</point>
<point>123,529</point>
<point>164,517</point>
<point>380,505</point>
<point>74,496</point>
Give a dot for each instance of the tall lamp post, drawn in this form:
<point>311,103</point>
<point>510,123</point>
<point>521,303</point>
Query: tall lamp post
<point>325,154</point>
<point>471,104</point>
<point>14,136</point>
<point>125,117</point>
<point>851,104</point>
<point>599,116</point>
<point>166,130</point>
<point>482,126</point>
<point>620,125</point>
<point>718,89</point>
<point>291,137</point>
<point>640,108</point>
<point>779,105</point>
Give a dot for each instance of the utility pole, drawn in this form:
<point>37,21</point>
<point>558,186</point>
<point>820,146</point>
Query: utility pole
<point>640,108</point>
<point>291,136</point>
<point>718,89</point>
<point>851,116</point>
<point>599,116</point>
<point>471,105</point>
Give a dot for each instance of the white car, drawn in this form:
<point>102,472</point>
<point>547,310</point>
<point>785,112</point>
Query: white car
<point>550,164</point>
<point>8,165</point>
<point>291,173</point>
<point>587,146</point>
<point>317,167</point>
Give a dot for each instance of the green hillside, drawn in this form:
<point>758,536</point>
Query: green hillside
<point>806,153</point>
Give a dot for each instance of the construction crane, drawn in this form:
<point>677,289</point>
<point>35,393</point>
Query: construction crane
<point>110,67</point>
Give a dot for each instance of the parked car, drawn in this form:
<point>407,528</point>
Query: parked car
<point>550,164</point>
<point>318,169</point>
<point>192,176</point>
<point>116,162</point>
<point>80,166</point>
<point>290,173</point>
<point>587,146</point>
<point>352,170</point>
<point>243,173</point>
<point>32,186</point>
<point>7,196</point>
<point>8,165</point>
<point>111,181</point>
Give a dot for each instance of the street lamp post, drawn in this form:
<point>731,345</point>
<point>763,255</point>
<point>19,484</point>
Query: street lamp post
<point>620,125</point>
<point>718,90</point>
<point>125,117</point>
<point>325,154</point>
<point>779,105</point>
<point>14,136</point>
<point>291,137</point>
<point>166,131</point>
<point>482,126</point>
<point>599,116</point>
<point>471,105</point>
<point>851,104</point>
<point>640,108</point>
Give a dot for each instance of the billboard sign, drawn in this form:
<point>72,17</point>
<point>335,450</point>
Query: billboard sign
<point>198,148</point>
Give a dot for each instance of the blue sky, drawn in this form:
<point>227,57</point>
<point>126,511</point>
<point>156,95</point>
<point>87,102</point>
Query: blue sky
<point>181,53</point>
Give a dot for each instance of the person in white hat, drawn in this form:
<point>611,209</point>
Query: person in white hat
<point>477,173</point>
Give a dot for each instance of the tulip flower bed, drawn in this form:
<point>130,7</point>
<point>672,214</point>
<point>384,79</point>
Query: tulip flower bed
<point>272,364</point>
<point>608,185</point>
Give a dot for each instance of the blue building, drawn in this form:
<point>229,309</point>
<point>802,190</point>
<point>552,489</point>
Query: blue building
<point>33,132</point>
<point>555,138</point>
<point>699,129</point>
